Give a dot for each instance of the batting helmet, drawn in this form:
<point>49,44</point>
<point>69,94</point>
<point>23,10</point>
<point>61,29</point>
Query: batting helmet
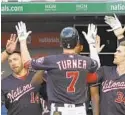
<point>69,37</point>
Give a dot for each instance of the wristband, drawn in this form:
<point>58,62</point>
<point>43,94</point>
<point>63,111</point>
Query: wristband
<point>8,52</point>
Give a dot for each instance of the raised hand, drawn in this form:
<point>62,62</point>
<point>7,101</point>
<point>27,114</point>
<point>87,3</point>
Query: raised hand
<point>115,25</point>
<point>98,41</point>
<point>22,31</point>
<point>90,36</point>
<point>113,22</point>
<point>11,44</point>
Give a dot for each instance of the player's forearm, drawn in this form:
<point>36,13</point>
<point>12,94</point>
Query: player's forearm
<point>24,51</point>
<point>94,54</point>
<point>4,56</point>
<point>38,77</point>
<point>95,104</point>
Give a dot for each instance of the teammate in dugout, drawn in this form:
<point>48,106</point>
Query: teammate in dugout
<point>17,93</point>
<point>66,73</point>
<point>20,97</point>
<point>93,91</point>
<point>112,78</point>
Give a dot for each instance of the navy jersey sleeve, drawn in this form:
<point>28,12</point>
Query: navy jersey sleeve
<point>43,63</point>
<point>38,64</point>
<point>98,77</point>
<point>93,66</point>
<point>100,73</point>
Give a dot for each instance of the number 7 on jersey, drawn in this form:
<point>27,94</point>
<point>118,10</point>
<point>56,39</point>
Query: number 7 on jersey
<point>74,75</point>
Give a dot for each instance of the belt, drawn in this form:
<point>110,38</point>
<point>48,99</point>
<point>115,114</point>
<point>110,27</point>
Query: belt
<point>69,105</point>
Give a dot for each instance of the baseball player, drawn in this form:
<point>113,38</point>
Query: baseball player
<point>37,79</point>
<point>113,78</point>
<point>93,90</point>
<point>66,72</point>
<point>19,96</point>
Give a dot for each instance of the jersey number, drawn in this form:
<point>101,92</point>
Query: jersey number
<point>74,75</point>
<point>120,98</point>
<point>34,98</point>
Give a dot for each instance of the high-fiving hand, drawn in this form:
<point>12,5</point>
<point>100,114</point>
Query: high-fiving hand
<point>113,22</point>
<point>22,31</point>
<point>91,35</point>
<point>98,42</point>
<point>11,44</point>
<point>116,26</point>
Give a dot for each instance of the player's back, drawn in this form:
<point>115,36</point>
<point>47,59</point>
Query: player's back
<point>66,77</point>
